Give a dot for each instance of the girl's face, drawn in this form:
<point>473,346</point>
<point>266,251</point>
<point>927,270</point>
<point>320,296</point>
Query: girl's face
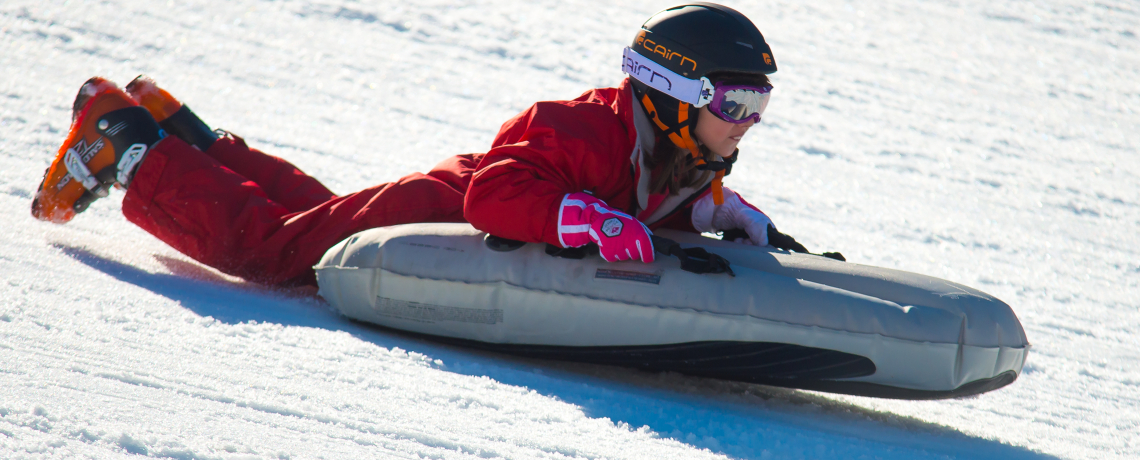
<point>718,135</point>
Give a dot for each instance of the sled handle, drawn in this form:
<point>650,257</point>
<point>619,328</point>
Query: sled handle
<point>695,260</point>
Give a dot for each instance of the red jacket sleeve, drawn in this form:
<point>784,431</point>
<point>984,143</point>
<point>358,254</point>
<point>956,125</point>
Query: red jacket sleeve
<point>552,149</point>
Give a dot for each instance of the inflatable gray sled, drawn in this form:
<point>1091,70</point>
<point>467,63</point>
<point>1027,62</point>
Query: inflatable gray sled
<point>784,319</point>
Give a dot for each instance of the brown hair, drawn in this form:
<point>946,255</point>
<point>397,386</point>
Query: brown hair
<point>672,167</point>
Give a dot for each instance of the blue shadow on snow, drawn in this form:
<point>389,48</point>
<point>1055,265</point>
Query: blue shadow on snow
<point>739,420</point>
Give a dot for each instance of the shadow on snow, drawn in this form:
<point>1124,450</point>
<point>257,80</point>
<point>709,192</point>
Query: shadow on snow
<point>739,420</point>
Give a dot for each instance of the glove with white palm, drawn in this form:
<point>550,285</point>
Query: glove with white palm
<point>735,213</point>
<point>743,223</point>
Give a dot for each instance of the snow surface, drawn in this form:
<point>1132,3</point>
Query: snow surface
<point>990,143</point>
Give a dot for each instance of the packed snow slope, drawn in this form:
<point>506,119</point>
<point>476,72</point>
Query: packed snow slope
<point>989,143</point>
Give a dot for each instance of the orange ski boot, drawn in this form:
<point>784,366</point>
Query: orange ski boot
<point>109,137</point>
<point>173,116</point>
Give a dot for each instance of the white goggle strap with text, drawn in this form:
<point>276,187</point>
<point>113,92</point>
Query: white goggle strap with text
<point>696,92</point>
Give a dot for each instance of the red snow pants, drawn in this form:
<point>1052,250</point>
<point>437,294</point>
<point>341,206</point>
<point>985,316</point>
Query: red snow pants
<point>256,216</point>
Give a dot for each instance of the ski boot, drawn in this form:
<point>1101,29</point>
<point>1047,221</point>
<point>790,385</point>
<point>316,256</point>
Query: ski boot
<point>109,137</point>
<point>173,116</point>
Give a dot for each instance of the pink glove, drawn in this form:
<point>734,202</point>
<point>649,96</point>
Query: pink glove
<point>583,219</point>
<point>734,213</point>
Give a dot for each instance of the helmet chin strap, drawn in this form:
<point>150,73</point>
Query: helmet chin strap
<point>680,136</point>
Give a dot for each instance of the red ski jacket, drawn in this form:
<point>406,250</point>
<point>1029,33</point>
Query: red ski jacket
<point>256,216</point>
<point>593,143</point>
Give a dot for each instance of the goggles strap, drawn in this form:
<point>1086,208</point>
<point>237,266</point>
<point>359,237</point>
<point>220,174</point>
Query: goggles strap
<point>697,92</point>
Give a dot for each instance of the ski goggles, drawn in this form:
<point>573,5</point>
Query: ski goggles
<point>731,103</point>
<point>740,103</point>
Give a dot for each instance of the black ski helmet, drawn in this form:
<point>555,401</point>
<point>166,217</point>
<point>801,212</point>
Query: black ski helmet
<point>700,38</point>
<point>695,40</point>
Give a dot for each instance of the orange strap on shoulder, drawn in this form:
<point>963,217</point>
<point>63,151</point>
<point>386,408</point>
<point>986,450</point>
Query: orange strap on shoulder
<point>718,189</point>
